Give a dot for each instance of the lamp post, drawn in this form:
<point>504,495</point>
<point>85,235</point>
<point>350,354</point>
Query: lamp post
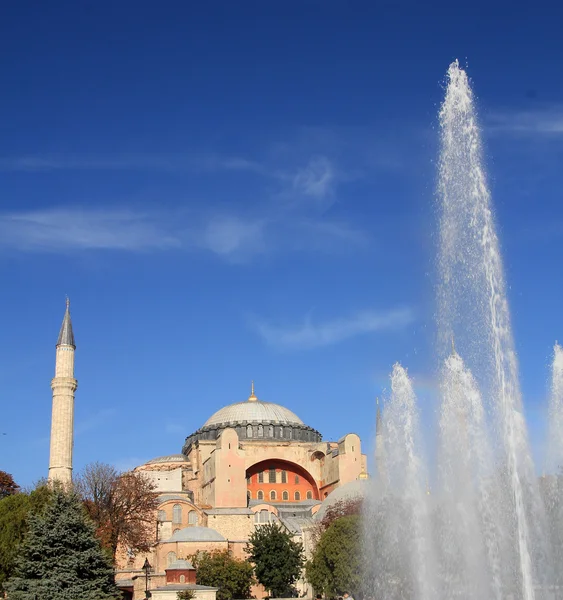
<point>146,568</point>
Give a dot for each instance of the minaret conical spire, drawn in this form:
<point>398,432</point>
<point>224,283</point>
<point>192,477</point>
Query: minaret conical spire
<point>66,335</point>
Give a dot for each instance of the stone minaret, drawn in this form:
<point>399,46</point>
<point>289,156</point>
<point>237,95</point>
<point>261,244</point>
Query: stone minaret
<point>62,422</point>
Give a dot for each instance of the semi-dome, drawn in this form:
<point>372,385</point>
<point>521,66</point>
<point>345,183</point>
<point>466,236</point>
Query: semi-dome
<point>254,412</point>
<point>196,534</point>
<point>353,490</point>
<point>169,458</point>
<point>254,420</point>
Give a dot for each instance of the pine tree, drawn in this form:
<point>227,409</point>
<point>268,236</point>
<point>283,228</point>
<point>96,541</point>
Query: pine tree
<point>61,559</point>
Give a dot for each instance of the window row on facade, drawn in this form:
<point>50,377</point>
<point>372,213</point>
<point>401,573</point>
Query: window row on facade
<point>284,495</point>
<point>177,515</point>
<point>273,476</point>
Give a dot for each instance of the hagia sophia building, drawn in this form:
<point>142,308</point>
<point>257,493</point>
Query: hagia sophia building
<point>252,462</point>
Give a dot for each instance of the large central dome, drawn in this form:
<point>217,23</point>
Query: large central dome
<point>252,412</point>
<point>254,420</point>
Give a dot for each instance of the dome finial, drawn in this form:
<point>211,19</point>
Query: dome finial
<point>252,397</point>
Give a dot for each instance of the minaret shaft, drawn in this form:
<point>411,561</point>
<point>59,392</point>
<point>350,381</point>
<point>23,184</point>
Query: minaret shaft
<point>62,422</point>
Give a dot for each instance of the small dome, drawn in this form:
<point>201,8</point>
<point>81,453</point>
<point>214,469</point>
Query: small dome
<point>196,534</point>
<point>180,564</point>
<point>170,458</point>
<point>349,491</point>
<point>254,411</point>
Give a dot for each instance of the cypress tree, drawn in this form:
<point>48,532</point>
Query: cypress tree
<point>61,559</point>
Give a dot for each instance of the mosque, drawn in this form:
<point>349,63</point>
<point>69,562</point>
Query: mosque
<point>252,462</point>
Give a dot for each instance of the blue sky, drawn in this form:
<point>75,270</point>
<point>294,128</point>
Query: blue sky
<point>231,191</point>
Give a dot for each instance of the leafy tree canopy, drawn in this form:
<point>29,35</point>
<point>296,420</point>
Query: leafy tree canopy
<point>15,511</point>
<point>278,559</point>
<point>122,506</point>
<point>342,508</point>
<point>335,567</point>
<point>186,595</point>
<point>7,485</point>
<point>61,559</point>
<point>232,576</point>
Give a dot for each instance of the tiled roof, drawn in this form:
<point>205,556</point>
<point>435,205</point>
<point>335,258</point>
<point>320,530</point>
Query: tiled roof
<point>183,586</point>
<point>179,564</point>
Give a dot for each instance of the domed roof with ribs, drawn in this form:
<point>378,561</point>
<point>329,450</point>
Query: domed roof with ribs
<point>254,412</point>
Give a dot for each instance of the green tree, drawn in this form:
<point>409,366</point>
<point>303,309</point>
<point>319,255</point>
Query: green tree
<point>186,595</point>
<point>15,511</point>
<point>61,559</point>
<point>219,569</point>
<point>278,559</point>
<point>335,567</point>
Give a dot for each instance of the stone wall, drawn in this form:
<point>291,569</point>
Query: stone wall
<point>232,527</point>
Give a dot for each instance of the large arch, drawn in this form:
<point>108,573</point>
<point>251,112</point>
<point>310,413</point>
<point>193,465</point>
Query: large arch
<point>279,476</point>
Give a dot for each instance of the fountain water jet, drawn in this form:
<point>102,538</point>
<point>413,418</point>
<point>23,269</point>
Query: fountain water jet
<point>407,480</point>
<point>485,524</point>
<point>555,434</point>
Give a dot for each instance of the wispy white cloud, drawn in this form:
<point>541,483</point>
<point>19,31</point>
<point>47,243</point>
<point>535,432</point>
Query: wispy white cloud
<point>129,162</point>
<point>316,179</point>
<point>292,215</point>
<point>63,229</point>
<point>228,235</point>
<point>312,335</point>
<point>233,237</point>
<point>540,122</point>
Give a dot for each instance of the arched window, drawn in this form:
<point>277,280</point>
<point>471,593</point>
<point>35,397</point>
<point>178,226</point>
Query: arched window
<point>182,579</point>
<point>261,477</point>
<point>296,479</point>
<point>161,515</point>
<point>289,432</point>
<point>249,495</point>
<point>249,431</point>
<point>192,517</point>
<point>257,517</point>
<point>272,495</point>
<point>284,477</point>
<point>272,476</point>
<point>280,432</point>
<point>264,516</point>
<point>271,431</point>
<point>260,495</point>
<point>177,514</point>
<point>309,495</point>
<point>285,496</point>
<point>170,558</point>
<point>297,496</point>
<point>260,431</point>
